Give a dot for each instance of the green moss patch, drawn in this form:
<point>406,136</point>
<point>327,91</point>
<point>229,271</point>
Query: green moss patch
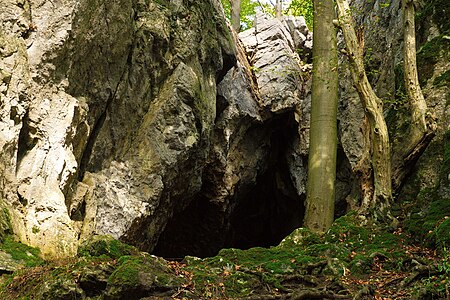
<point>140,276</point>
<point>26,255</point>
<point>103,245</point>
<point>429,223</point>
<point>347,248</point>
<point>129,277</point>
<point>430,53</point>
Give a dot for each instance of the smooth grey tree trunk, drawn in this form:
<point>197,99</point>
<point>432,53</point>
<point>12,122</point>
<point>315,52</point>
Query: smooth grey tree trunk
<point>319,214</point>
<point>236,15</point>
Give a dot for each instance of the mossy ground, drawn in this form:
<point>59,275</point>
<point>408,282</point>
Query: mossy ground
<point>341,262</point>
<point>28,256</point>
<point>348,257</point>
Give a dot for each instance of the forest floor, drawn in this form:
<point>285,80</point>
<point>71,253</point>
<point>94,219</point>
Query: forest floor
<point>350,261</point>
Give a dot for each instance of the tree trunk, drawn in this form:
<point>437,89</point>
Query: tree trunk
<point>416,99</point>
<point>323,129</point>
<point>419,136</point>
<point>236,15</point>
<point>278,8</point>
<point>379,203</point>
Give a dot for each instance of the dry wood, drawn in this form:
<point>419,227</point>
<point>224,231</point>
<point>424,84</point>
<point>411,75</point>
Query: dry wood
<point>419,134</point>
<point>379,203</point>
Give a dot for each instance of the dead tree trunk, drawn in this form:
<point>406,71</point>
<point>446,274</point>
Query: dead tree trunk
<point>419,135</point>
<point>377,204</point>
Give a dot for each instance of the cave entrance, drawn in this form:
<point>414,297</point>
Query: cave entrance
<point>261,214</point>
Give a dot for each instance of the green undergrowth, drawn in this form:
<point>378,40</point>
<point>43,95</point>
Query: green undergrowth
<point>438,10</point>
<point>443,79</point>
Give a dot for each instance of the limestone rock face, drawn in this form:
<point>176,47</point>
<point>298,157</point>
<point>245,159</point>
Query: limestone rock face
<point>253,185</point>
<point>276,65</point>
<point>106,114</point>
<point>150,122</point>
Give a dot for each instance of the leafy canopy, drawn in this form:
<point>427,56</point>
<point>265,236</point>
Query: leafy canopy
<point>248,12</point>
<point>302,8</point>
<point>249,7</point>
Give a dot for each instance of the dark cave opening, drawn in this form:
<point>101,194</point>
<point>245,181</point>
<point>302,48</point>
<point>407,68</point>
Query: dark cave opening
<point>271,209</point>
<point>261,214</point>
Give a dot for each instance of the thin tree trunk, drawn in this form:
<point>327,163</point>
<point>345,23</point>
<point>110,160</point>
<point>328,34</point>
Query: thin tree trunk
<point>419,135</point>
<point>380,202</point>
<point>278,8</point>
<point>319,214</point>
<point>236,15</point>
<point>414,92</point>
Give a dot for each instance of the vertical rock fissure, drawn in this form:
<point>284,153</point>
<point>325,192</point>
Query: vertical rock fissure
<point>99,125</point>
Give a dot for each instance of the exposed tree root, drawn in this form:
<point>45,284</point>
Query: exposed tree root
<point>419,272</point>
<point>302,294</point>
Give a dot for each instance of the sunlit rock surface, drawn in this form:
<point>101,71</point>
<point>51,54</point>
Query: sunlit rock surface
<point>150,122</point>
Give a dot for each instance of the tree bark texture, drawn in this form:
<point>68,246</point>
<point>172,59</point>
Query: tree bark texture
<point>416,99</point>
<point>236,15</point>
<point>379,203</point>
<point>419,135</point>
<point>319,214</point>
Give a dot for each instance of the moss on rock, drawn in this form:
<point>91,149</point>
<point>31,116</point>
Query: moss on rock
<point>5,223</point>
<point>25,255</point>
<point>429,223</point>
<point>104,245</point>
<point>140,276</point>
<point>430,53</point>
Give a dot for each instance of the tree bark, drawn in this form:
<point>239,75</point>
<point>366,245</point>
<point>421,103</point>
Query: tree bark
<point>419,135</point>
<point>236,15</point>
<point>416,99</point>
<point>379,203</point>
<point>319,214</point>
<point>278,8</point>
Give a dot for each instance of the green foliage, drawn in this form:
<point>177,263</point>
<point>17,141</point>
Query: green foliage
<point>439,10</point>
<point>248,11</point>
<point>443,234</point>
<point>249,7</point>
<point>302,8</point>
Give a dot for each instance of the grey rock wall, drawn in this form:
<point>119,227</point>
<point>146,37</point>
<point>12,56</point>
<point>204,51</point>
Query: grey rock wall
<point>106,116</point>
<point>149,121</point>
